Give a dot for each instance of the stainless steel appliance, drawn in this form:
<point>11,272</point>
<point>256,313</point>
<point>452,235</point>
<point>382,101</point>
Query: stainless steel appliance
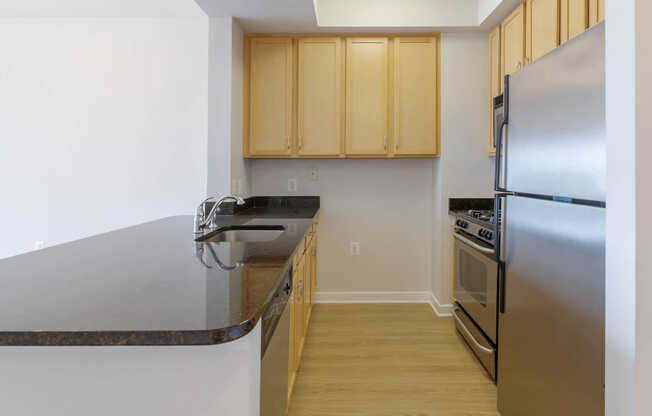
<point>550,183</point>
<point>275,352</point>
<point>476,284</point>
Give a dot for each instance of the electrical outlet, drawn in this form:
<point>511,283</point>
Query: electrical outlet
<point>314,175</point>
<point>39,245</point>
<point>355,248</point>
<point>292,185</point>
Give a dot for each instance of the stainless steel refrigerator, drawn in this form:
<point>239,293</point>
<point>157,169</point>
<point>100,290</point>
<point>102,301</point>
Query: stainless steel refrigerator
<point>551,187</point>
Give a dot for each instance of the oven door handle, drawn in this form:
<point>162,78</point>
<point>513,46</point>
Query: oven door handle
<point>477,344</point>
<point>473,244</point>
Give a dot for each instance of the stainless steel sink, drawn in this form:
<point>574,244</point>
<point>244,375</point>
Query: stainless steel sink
<point>244,234</point>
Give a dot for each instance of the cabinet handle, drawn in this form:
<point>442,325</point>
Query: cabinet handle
<point>385,142</point>
<point>288,142</point>
<point>300,142</point>
<point>518,66</point>
<point>396,144</point>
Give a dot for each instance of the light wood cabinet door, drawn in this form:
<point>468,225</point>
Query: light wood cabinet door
<point>307,293</point>
<point>298,318</point>
<point>320,92</point>
<point>292,350</point>
<point>513,42</point>
<point>574,18</point>
<point>271,82</point>
<point>596,11</point>
<point>315,269</point>
<point>415,96</point>
<point>366,96</point>
<point>495,80</point>
<point>542,32</point>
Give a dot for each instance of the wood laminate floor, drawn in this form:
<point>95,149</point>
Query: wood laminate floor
<point>388,359</point>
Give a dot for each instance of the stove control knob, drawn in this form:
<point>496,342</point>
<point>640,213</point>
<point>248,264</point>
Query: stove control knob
<point>490,235</point>
<point>464,224</point>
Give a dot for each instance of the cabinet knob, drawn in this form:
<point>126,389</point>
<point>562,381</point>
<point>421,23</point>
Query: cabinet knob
<point>288,142</point>
<point>300,142</point>
<point>385,142</point>
<point>396,144</point>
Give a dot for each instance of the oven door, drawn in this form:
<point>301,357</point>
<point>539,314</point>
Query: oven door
<point>476,281</point>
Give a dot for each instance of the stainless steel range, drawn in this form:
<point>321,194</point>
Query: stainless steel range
<point>476,284</point>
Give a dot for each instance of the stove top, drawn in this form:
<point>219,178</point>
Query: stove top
<point>477,223</point>
<point>485,217</point>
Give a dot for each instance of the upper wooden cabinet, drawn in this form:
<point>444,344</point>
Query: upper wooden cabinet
<point>366,96</point>
<point>415,96</point>
<point>495,80</point>
<point>335,96</point>
<point>270,97</point>
<point>513,41</point>
<point>320,91</point>
<point>574,18</point>
<point>596,11</point>
<point>542,31</point>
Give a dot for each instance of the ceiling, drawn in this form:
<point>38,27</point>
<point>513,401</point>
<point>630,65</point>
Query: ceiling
<point>289,16</point>
<point>99,8</point>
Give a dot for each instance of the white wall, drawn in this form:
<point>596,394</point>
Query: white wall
<point>398,209</point>
<point>383,204</point>
<point>629,169</point>
<point>464,169</point>
<point>228,172</point>
<point>102,125</point>
<point>240,167</point>
<point>219,106</point>
<point>390,13</point>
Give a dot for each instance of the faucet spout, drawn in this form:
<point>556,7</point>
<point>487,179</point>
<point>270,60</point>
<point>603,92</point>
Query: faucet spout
<point>204,221</point>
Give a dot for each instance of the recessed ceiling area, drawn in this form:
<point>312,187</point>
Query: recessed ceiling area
<point>313,16</point>
<point>288,16</point>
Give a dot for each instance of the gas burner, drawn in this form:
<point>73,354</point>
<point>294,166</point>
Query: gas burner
<point>482,215</point>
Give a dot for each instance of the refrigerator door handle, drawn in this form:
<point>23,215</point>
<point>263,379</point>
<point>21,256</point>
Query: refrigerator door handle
<point>500,233</point>
<point>499,139</point>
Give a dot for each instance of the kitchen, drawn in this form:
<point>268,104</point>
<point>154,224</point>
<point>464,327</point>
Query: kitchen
<point>162,91</point>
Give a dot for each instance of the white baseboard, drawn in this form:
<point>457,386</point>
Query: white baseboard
<point>440,310</point>
<point>372,297</point>
<point>386,297</point>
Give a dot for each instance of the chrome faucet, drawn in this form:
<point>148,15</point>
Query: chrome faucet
<point>202,220</point>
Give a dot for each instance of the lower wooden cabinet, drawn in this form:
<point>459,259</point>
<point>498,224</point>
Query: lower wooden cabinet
<point>304,284</point>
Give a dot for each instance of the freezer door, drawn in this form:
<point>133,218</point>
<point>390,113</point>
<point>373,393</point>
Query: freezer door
<point>551,334</point>
<point>555,141</point>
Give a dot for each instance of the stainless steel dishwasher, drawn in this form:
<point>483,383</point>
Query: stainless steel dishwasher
<point>275,352</point>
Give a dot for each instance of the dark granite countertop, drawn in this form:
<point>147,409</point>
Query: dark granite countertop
<point>147,285</point>
<point>466,204</point>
